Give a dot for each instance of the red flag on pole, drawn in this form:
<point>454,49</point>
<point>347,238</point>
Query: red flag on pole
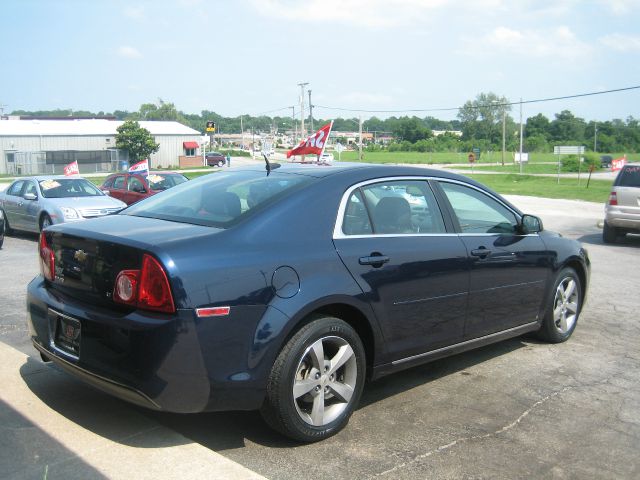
<point>72,169</point>
<point>314,144</point>
<point>618,163</point>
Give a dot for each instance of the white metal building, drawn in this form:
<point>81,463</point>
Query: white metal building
<point>44,146</point>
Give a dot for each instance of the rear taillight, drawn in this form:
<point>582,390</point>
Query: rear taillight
<point>47,258</point>
<point>613,198</point>
<point>147,288</point>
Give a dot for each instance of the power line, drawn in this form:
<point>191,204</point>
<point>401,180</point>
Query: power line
<point>449,109</point>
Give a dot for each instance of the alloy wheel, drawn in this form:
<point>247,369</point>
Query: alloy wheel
<point>325,381</point>
<point>566,305</point>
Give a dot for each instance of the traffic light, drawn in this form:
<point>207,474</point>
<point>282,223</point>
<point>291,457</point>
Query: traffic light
<point>211,126</point>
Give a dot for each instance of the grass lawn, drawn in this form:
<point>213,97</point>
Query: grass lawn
<point>547,187</point>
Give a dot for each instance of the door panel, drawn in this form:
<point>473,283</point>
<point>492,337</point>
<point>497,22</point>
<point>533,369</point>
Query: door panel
<point>11,204</point>
<point>414,274</point>
<point>419,295</point>
<point>508,270</point>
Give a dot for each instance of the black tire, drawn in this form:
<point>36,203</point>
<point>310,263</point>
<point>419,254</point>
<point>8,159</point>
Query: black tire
<point>45,221</point>
<point>2,230</point>
<point>565,304</point>
<point>296,366</point>
<point>609,234</point>
<point>7,228</point>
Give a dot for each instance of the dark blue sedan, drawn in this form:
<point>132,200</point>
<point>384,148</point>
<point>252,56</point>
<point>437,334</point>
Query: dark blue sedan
<point>284,290</point>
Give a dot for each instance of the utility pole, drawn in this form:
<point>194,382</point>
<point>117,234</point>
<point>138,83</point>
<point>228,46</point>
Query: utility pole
<point>360,139</point>
<point>504,132</point>
<point>302,130</point>
<point>595,136</point>
<point>520,135</point>
<point>242,131</point>
<point>295,126</point>
<point>310,111</point>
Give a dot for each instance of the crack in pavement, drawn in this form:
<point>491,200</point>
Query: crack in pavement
<point>505,428</point>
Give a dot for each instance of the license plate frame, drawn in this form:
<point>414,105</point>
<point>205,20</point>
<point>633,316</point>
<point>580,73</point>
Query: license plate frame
<point>67,334</point>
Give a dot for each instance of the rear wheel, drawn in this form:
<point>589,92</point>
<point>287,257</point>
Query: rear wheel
<point>316,381</point>
<point>7,227</point>
<point>561,317</point>
<point>45,221</point>
<point>220,163</point>
<point>609,234</point>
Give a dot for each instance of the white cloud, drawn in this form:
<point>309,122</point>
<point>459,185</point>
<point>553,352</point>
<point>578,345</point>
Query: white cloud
<point>621,42</point>
<point>559,42</point>
<point>129,52</point>
<point>135,12</point>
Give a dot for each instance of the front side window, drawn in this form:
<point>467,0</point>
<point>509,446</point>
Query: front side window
<point>30,187</point>
<point>68,187</point>
<point>477,212</point>
<point>135,185</point>
<point>394,207</point>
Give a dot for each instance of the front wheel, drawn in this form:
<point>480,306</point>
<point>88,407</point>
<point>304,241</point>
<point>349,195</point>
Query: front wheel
<point>45,221</point>
<point>316,381</point>
<point>561,316</point>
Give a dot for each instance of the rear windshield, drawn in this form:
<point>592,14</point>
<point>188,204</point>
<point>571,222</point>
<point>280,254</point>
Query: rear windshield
<point>68,187</point>
<point>629,176</point>
<point>162,181</point>
<point>219,199</point>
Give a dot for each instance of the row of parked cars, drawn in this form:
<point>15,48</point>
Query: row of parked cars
<point>33,203</point>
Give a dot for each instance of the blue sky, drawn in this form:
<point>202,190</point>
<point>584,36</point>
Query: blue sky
<point>246,56</point>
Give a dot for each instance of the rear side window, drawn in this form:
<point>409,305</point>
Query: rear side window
<point>629,176</point>
<point>220,199</point>
<point>401,207</point>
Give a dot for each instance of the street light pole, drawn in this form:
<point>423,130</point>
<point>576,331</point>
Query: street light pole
<point>595,137</point>
<point>310,111</point>
<point>302,130</point>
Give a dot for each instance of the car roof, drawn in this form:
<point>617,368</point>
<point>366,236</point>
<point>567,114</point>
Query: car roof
<point>40,178</point>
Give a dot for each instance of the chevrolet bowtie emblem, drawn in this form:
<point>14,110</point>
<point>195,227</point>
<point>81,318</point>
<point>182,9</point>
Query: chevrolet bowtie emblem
<point>80,255</point>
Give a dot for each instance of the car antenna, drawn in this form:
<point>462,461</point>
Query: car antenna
<point>269,166</point>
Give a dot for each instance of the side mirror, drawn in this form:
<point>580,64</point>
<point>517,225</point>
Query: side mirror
<point>106,192</point>
<point>30,196</point>
<point>530,224</point>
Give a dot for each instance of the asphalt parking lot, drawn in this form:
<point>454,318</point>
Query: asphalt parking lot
<point>516,409</point>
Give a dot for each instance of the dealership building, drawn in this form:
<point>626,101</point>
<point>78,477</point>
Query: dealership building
<point>42,146</point>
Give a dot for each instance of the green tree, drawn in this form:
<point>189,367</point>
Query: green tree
<point>135,140</point>
<point>411,129</point>
<point>481,118</point>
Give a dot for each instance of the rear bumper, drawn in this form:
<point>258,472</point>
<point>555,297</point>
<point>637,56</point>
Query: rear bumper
<point>619,219</point>
<point>172,363</point>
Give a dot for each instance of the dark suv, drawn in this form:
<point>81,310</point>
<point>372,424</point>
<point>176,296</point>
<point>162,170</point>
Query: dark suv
<point>215,159</point>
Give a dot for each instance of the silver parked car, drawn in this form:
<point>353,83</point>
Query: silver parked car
<point>34,203</point>
<point>622,212</point>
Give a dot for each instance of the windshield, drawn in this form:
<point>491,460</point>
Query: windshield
<point>68,187</point>
<point>162,181</point>
<point>219,199</point>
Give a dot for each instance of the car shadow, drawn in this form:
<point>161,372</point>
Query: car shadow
<point>119,421</point>
<point>22,235</point>
<point>629,240</point>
